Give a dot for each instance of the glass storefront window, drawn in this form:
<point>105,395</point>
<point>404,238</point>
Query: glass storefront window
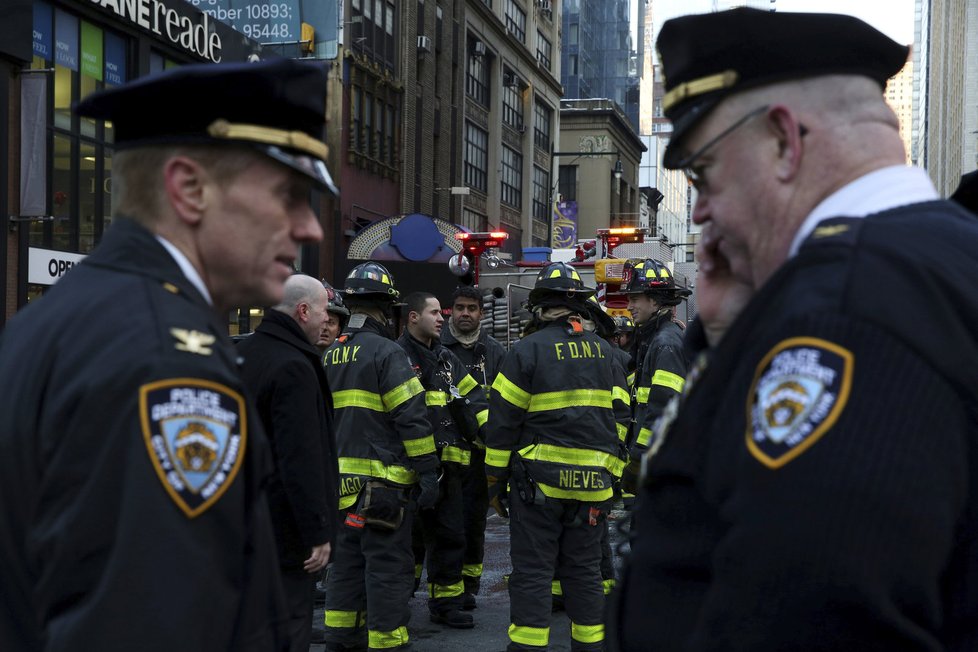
<point>85,58</point>
<point>61,191</point>
<point>62,97</point>
<point>88,191</point>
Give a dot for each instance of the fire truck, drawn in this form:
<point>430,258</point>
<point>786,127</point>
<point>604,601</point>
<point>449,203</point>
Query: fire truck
<point>600,262</point>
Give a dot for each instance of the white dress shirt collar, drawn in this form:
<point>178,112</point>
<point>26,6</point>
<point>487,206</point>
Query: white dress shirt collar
<point>880,190</point>
<point>188,269</point>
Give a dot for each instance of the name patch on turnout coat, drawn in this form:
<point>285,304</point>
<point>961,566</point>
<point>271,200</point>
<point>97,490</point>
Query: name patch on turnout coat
<point>800,388</point>
<point>195,431</point>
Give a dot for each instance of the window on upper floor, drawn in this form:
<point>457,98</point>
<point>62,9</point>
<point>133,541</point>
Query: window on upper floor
<point>477,78</point>
<point>512,100</point>
<point>476,164</point>
<point>543,117</point>
<point>373,25</point>
<point>544,50</point>
<point>515,19</point>
<point>511,179</point>
<point>541,200</point>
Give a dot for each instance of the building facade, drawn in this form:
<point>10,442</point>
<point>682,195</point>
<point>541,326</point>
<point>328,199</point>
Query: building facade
<point>450,111</point>
<point>56,167</point>
<point>946,111</point>
<point>596,60</point>
<point>597,163</point>
<point>899,95</point>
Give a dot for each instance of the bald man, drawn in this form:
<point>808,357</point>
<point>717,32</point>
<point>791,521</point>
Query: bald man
<point>283,372</point>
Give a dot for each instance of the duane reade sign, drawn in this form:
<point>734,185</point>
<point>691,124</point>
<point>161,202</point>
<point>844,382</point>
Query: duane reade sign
<point>193,33</point>
<point>46,266</point>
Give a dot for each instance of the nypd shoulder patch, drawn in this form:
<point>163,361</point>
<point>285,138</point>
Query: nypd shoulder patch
<point>196,432</point>
<point>800,388</point>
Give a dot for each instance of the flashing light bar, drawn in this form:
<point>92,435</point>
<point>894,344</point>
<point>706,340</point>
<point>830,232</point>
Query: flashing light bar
<point>630,230</point>
<point>491,235</point>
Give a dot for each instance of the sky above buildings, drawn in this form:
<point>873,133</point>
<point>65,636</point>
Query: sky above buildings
<point>895,18</point>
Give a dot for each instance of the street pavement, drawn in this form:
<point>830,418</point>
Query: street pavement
<point>492,614</point>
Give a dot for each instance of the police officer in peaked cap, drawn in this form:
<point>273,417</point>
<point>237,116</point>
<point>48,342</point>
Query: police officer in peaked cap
<point>131,460</point>
<point>815,484</point>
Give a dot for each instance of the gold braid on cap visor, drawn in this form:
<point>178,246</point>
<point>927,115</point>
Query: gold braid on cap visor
<point>296,140</point>
<point>699,86</point>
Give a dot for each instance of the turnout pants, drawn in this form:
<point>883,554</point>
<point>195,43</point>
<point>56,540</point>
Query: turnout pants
<point>370,584</point>
<point>438,532</point>
<point>555,538</point>
<point>475,504</point>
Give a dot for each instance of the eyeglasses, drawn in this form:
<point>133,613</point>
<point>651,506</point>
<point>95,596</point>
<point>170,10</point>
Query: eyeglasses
<point>695,173</point>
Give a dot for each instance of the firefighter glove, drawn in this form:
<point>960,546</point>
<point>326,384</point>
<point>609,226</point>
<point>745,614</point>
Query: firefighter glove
<point>629,477</point>
<point>429,490</point>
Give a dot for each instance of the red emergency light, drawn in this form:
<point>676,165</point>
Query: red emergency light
<point>479,242</point>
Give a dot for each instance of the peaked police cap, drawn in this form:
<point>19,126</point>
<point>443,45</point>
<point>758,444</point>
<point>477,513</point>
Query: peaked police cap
<point>707,57</point>
<point>277,107</point>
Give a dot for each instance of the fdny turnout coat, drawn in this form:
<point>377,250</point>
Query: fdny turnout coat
<point>818,488</point>
<point>482,358</point>
<point>131,465</point>
<point>660,373</point>
<point>379,406</point>
<point>445,379</point>
<point>561,424</point>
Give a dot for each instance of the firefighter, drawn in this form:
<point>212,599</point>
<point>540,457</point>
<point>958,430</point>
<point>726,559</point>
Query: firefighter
<point>482,355</point>
<point>386,454</point>
<point>624,340</point>
<point>337,315</point>
<point>553,435</point>
<point>624,332</point>
<point>457,409</point>
<point>660,360</point>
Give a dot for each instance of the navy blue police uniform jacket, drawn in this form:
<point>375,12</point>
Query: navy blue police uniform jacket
<point>132,515</point>
<point>817,488</point>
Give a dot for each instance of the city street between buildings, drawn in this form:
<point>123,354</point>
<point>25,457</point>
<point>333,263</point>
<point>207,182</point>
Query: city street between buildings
<point>492,614</point>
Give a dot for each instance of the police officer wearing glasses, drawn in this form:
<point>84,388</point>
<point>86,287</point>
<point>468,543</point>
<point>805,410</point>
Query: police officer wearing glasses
<point>815,485</point>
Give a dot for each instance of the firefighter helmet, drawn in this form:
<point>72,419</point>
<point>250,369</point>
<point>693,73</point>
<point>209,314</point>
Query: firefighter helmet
<point>652,277</point>
<point>370,281</point>
<point>559,279</point>
<point>649,274</point>
<point>335,301</point>
<point>624,324</point>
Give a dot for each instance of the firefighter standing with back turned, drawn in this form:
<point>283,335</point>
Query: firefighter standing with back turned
<point>553,434</point>
<point>385,449</point>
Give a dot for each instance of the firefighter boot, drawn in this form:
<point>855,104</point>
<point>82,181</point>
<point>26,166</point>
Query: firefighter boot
<point>454,618</point>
